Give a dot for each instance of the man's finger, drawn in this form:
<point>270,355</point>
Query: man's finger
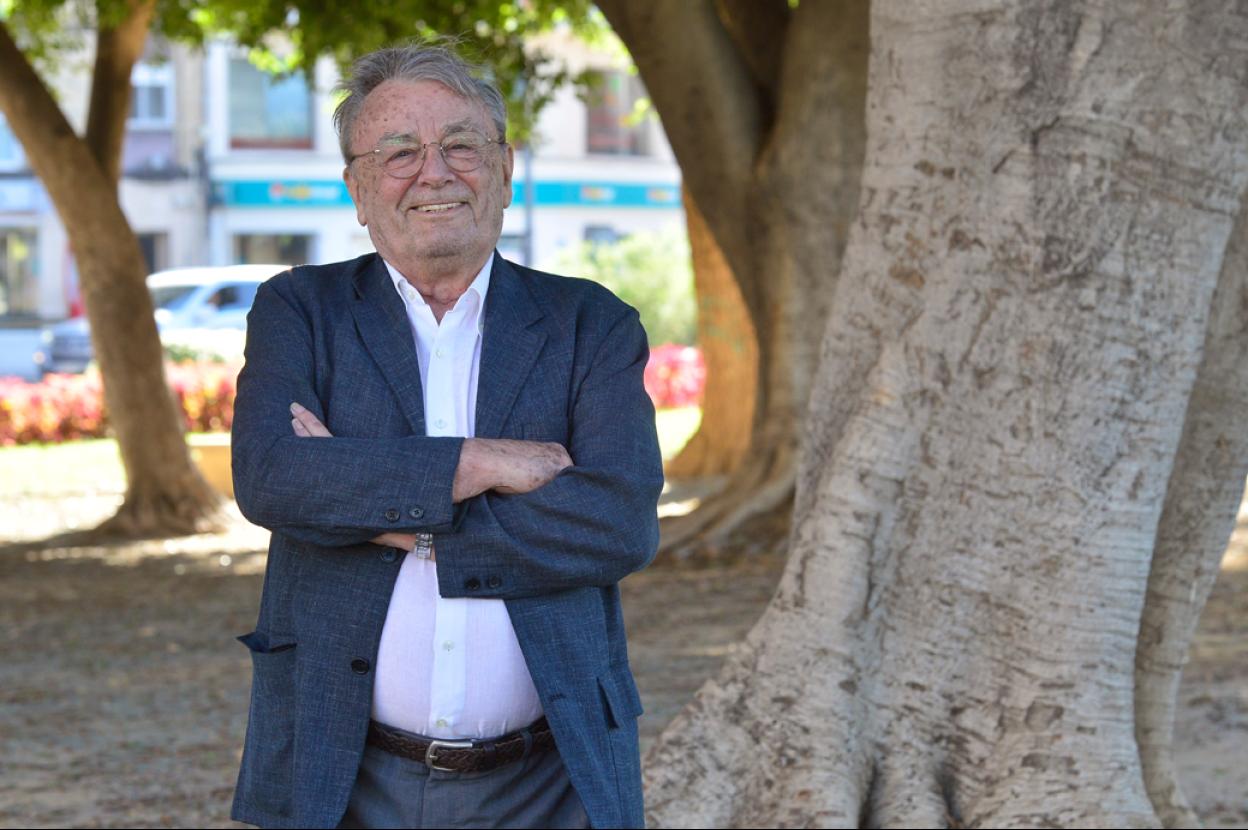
<point>310,422</point>
<point>299,428</point>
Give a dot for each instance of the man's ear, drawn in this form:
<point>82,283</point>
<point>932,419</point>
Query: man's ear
<point>509,163</point>
<point>353,187</point>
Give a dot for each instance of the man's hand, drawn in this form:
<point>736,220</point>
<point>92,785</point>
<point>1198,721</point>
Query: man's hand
<point>506,466</point>
<point>307,425</point>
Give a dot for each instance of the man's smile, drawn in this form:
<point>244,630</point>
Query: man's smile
<point>438,207</point>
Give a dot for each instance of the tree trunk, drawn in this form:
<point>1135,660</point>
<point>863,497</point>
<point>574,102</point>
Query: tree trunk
<point>763,106</point>
<point>165,494</point>
<point>993,433</point>
<point>730,351</point>
<point>1202,500</point>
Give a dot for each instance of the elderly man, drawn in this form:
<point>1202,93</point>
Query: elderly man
<point>458,462</point>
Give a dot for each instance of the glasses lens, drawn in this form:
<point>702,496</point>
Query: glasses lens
<point>402,159</point>
<point>463,151</point>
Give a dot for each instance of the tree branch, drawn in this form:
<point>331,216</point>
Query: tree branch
<point>34,116</point>
<point>118,46</point>
<point>707,98</point>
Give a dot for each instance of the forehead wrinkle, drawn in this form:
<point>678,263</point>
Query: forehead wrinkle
<point>463,125</point>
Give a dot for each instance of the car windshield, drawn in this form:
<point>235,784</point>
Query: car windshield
<point>171,297</point>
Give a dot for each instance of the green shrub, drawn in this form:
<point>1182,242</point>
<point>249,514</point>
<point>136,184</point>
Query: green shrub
<point>650,271</point>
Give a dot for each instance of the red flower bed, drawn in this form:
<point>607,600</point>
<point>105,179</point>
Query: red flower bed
<point>70,407</point>
<point>675,376</point>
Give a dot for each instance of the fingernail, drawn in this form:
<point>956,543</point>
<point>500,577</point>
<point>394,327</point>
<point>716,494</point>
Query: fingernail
<point>296,408</point>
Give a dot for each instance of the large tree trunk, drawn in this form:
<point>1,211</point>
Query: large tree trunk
<point>995,428</point>
<point>763,105</point>
<point>165,494</point>
<point>730,351</point>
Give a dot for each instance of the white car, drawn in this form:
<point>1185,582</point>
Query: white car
<point>187,300</point>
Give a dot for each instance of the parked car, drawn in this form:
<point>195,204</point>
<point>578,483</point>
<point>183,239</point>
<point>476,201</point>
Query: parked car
<point>187,301</point>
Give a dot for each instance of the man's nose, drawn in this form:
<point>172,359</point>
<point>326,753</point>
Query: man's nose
<point>433,168</point>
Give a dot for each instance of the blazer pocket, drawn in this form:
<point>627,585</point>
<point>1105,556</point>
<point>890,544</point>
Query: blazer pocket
<point>265,778</point>
<point>619,690</point>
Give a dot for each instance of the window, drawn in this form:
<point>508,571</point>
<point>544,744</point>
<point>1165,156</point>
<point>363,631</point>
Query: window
<point>601,234</point>
<point>151,97</point>
<point>19,284</point>
<point>234,296</point>
<point>155,250</point>
<point>11,156</point>
<point>272,249</point>
<point>266,111</point>
<point>611,127</point>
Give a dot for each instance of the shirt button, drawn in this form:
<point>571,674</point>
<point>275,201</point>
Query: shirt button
<point>494,582</point>
<point>359,665</point>
<point>439,352</point>
<point>472,584</point>
<point>440,423</point>
<point>389,555</point>
<point>448,645</point>
<point>442,723</point>
<point>392,515</point>
<point>416,512</point>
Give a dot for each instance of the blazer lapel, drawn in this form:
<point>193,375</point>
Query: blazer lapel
<point>509,347</point>
<point>382,323</point>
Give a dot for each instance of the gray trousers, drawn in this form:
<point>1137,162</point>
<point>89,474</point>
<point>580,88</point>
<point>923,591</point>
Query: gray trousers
<point>391,791</point>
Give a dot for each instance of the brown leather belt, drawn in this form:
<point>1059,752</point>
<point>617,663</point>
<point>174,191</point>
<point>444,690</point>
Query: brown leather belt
<point>462,756</point>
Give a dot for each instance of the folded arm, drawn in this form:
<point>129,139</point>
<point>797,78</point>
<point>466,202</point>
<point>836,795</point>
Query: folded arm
<point>343,491</point>
<point>596,521</point>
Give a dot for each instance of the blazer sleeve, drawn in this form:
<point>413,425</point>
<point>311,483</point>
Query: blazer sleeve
<point>597,521</point>
<point>325,491</point>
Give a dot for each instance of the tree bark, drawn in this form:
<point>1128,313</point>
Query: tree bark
<point>770,149</point>
<point>1202,500</point>
<point>994,430</point>
<point>165,494</point>
<point>730,351</point>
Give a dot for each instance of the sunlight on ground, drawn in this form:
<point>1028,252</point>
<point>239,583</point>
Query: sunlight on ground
<point>676,427</point>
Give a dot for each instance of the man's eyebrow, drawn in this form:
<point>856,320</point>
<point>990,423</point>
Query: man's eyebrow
<point>398,138</point>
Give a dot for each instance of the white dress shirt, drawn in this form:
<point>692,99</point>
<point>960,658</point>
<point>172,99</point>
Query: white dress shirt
<point>449,668</point>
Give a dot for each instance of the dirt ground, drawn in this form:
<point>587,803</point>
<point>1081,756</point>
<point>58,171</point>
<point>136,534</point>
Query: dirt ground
<point>123,695</point>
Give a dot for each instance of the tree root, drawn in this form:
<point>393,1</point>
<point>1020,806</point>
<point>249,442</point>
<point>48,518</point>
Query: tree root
<point>150,514</point>
<point>762,486</point>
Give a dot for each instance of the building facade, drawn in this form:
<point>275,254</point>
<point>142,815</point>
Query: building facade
<point>226,164</point>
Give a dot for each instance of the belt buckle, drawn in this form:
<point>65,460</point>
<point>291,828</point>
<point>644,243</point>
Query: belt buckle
<point>431,762</point>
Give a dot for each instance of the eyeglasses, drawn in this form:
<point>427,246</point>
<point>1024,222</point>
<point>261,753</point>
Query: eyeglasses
<point>403,159</point>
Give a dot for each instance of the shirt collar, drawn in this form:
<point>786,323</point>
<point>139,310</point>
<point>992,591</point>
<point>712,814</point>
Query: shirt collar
<point>478,287</point>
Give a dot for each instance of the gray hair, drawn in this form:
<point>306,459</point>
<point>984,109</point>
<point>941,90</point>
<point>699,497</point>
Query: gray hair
<point>414,62</point>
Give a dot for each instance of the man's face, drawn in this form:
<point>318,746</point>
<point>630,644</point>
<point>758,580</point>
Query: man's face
<point>408,219</point>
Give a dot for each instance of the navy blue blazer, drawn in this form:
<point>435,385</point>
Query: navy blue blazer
<point>561,360</point>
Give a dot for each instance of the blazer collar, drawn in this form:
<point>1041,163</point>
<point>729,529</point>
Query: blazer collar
<point>510,342</point>
<point>383,327</point>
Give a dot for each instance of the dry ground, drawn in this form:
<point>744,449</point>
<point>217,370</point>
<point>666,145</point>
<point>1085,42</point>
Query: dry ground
<point>123,695</point>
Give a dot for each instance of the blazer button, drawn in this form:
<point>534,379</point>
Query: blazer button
<point>389,555</point>
<point>416,512</point>
<point>359,665</point>
<point>392,515</point>
<point>494,582</point>
<point>472,584</point>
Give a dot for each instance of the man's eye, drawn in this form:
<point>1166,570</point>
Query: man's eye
<point>402,153</point>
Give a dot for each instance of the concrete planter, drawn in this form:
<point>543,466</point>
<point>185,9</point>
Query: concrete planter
<point>211,453</point>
